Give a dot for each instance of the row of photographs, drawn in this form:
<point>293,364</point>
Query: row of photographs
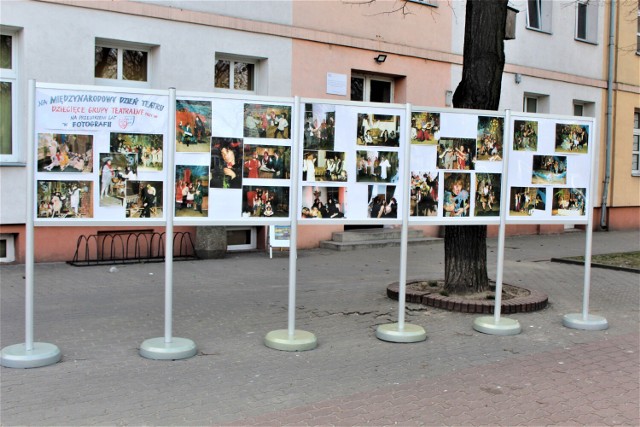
<point>569,138</point>
<point>464,194</point>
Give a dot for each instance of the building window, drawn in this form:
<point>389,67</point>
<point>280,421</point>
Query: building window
<point>587,21</point>
<point>535,103</point>
<point>425,2</point>
<point>638,32</point>
<point>7,248</point>
<point>539,15</point>
<point>370,88</point>
<point>530,104</point>
<point>635,154</point>
<point>241,238</point>
<point>9,151</point>
<point>584,108</point>
<point>235,75</point>
<point>117,65</point>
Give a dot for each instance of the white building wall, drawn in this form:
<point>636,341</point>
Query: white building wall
<point>56,44</point>
<point>540,54</point>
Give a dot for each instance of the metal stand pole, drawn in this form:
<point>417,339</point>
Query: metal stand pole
<point>401,331</point>
<point>169,347</point>
<point>30,354</point>
<point>495,325</point>
<point>585,320</point>
<point>292,339</point>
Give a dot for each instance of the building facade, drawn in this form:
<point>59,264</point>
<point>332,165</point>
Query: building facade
<point>558,63</point>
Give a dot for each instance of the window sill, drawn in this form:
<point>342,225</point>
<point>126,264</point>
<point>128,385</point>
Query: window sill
<point>538,30</point>
<point>586,41</point>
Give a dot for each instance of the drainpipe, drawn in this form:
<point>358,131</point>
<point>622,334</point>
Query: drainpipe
<point>607,161</point>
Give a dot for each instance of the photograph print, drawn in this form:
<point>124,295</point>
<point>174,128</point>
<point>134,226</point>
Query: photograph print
<point>65,199</point>
<point>490,135</point>
<point>226,162</point>
<point>65,153</point>
<point>525,135</point>
<point>378,130</point>
<point>115,170</point>
<point>549,170</point>
<point>382,201</point>
<point>267,121</point>
<point>488,186</point>
<point>569,202</point>
<point>425,128</point>
<point>527,201</point>
<point>148,147</point>
<point>457,191</point>
<point>265,201</point>
<point>377,166</point>
<point>324,165</point>
<point>266,161</point>
<point>144,199</point>
<point>456,153</point>
<point>424,193</point>
<point>323,202</point>
<point>193,126</point>
<point>192,191</point>
<point>319,126</point>
<point>572,138</point>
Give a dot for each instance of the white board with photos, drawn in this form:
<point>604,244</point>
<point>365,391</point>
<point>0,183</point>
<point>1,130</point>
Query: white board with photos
<point>99,155</point>
<point>232,159</point>
<point>351,162</point>
<point>551,166</point>
<point>456,166</point>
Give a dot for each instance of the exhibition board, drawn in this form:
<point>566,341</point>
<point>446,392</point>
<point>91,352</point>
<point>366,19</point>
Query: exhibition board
<point>101,158</point>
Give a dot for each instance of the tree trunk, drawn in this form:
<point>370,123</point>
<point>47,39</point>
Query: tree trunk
<point>465,253</point>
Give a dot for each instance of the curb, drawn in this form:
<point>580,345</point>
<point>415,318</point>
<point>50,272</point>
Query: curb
<point>596,265</point>
<point>535,301</point>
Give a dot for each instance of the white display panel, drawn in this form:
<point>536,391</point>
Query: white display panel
<point>100,155</point>
<point>101,158</point>
<point>551,161</point>
<point>240,150</point>
<point>456,166</point>
<point>351,162</point>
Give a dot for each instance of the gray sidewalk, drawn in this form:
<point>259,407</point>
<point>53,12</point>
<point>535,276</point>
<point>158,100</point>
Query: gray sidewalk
<point>547,375</point>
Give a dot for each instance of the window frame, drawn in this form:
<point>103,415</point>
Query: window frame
<point>366,88</point>
<point>590,16</point>
<point>636,133</point>
<point>544,16</point>
<point>232,60</point>
<point>122,46</point>
<point>253,239</point>
<point>10,244</point>
<point>525,100</point>
<point>10,75</point>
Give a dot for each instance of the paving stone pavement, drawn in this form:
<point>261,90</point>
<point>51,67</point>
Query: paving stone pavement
<point>547,375</point>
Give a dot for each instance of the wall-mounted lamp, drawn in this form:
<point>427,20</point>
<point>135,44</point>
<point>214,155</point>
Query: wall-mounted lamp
<point>448,98</point>
<point>518,78</point>
<point>380,58</point>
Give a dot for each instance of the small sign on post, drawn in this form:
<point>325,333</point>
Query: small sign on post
<point>279,237</point>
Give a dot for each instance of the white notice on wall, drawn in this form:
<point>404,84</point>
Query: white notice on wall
<point>336,84</point>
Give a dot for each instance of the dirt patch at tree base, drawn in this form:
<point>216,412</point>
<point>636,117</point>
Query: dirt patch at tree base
<point>431,293</point>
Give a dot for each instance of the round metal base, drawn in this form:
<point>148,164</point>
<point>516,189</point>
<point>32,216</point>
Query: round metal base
<point>42,354</point>
<point>410,333</point>
<point>281,340</point>
<point>592,323</point>
<point>158,349</point>
<point>488,325</point>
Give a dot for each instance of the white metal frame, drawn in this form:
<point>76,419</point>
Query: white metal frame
<point>12,76</point>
